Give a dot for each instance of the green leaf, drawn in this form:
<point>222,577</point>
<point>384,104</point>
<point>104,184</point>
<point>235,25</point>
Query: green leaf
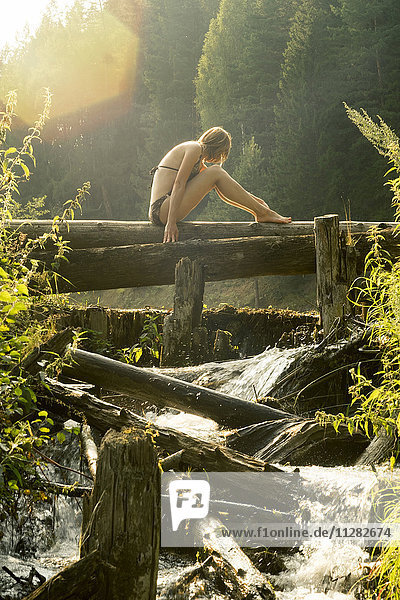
<point>61,437</point>
<point>22,289</point>
<point>11,150</point>
<point>5,296</point>
<point>25,170</point>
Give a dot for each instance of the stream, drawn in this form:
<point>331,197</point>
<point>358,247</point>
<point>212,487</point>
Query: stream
<point>47,536</point>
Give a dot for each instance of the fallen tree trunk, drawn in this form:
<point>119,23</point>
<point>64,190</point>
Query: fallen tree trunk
<point>247,581</point>
<point>102,234</point>
<point>147,385</point>
<point>198,454</point>
<point>154,264</point>
<point>302,442</point>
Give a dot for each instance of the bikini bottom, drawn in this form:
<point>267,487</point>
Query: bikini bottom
<point>154,212</point>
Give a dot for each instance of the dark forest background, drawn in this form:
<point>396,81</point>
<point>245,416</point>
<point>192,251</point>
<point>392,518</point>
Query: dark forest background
<point>131,78</point>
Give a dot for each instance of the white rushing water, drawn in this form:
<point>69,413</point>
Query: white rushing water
<point>315,572</point>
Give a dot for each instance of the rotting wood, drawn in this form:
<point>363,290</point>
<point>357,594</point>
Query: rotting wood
<point>124,516</point>
<point>155,388</point>
<point>154,264</point>
<point>102,234</point>
<point>178,329</point>
<point>247,580</point>
<point>198,454</point>
<point>335,268</point>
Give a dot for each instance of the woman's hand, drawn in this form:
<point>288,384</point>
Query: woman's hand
<point>170,232</point>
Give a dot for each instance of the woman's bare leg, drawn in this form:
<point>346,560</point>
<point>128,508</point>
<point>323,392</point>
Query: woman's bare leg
<point>216,177</point>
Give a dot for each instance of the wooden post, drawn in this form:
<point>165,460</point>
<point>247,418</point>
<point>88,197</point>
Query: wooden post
<point>123,516</point>
<point>188,305</point>
<point>335,269</point>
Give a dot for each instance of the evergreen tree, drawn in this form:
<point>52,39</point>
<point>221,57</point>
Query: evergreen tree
<point>239,69</point>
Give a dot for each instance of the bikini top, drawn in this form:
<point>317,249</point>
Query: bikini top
<point>195,171</point>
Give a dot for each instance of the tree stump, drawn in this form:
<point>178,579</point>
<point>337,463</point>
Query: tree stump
<point>178,329</point>
<point>335,268</point>
<point>122,518</point>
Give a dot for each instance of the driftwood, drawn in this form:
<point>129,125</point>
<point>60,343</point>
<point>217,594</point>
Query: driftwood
<point>123,516</point>
<point>154,264</point>
<point>101,415</point>
<point>147,385</point>
<point>247,582</point>
<point>102,234</point>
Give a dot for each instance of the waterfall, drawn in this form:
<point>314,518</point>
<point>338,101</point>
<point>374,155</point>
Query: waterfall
<point>314,572</point>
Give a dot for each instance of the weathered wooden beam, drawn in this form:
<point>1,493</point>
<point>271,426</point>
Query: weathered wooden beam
<point>161,390</point>
<point>178,341</point>
<point>123,518</point>
<point>154,264</point>
<point>101,234</point>
<point>335,268</point>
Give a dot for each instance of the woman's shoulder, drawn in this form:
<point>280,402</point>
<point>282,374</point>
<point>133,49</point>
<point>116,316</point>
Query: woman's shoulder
<point>191,146</point>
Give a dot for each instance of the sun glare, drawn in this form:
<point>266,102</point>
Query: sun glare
<point>18,15</point>
<point>85,67</point>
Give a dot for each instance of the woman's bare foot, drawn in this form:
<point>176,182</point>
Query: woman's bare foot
<point>270,216</point>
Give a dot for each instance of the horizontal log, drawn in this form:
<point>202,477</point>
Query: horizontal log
<point>154,264</point>
<point>161,390</point>
<point>101,234</point>
<point>199,454</point>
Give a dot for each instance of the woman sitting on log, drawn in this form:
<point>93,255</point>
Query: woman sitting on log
<point>181,181</point>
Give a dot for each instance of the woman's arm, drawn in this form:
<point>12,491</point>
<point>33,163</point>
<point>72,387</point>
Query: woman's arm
<point>190,158</point>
